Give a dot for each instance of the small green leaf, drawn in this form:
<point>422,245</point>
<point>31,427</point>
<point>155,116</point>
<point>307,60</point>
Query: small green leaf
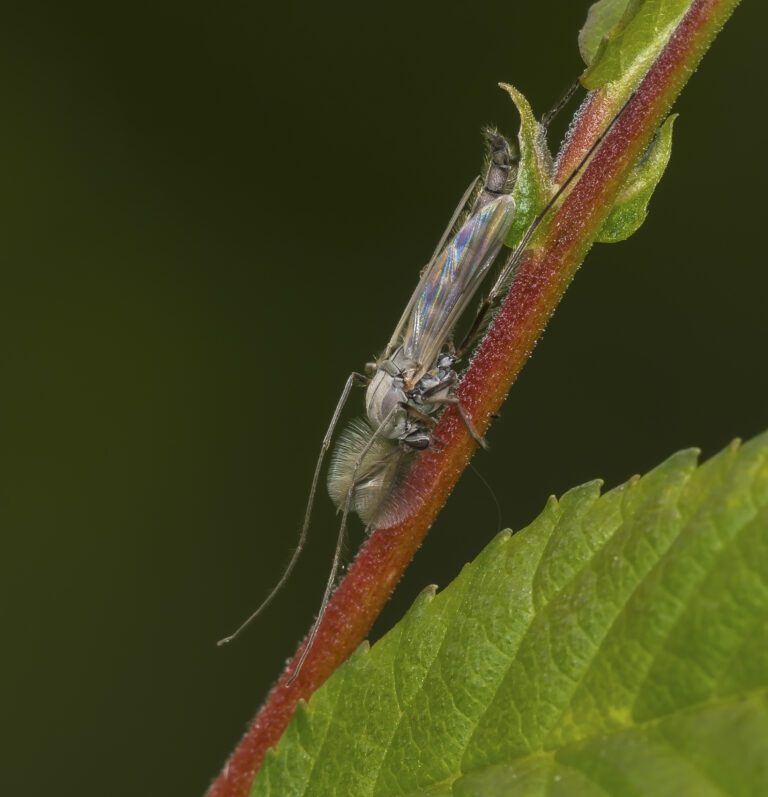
<point>631,206</point>
<point>602,18</point>
<point>616,646</point>
<point>628,48</point>
<point>534,176</point>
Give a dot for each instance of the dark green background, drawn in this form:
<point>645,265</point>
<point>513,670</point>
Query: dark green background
<point>210,215</point>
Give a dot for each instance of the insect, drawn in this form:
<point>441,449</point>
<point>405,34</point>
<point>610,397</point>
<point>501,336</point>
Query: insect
<point>414,378</point>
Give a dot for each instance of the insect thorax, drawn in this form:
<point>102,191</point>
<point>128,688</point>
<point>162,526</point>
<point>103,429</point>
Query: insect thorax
<point>369,466</point>
<point>401,398</point>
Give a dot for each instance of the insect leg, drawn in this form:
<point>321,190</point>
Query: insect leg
<point>547,118</point>
<point>491,492</point>
<point>453,401</point>
<point>427,420</point>
<point>339,546</point>
<point>352,379</point>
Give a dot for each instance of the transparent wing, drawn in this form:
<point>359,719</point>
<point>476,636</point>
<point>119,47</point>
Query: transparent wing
<point>453,279</point>
<point>397,334</point>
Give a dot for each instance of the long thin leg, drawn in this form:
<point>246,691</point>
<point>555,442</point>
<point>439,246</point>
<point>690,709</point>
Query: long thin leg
<point>352,379</point>
<point>546,120</point>
<point>490,489</point>
<point>453,401</point>
<point>339,547</point>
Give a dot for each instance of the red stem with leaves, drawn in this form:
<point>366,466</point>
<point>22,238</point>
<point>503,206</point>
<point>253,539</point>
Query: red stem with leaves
<point>543,276</point>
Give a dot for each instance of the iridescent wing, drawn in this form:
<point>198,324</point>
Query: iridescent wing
<point>453,279</point>
<point>424,273</point>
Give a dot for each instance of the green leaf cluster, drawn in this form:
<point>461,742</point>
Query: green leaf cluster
<point>619,41</point>
<point>631,206</point>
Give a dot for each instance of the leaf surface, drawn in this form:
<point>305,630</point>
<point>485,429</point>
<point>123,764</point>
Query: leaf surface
<point>533,186</point>
<point>618,645</point>
<point>602,18</point>
<point>627,48</point>
<point>631,205</point>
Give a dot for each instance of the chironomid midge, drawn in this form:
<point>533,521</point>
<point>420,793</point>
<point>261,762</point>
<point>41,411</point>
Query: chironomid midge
<point>414,378</point>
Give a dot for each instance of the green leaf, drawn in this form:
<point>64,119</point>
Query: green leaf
<point>628,48</point>
<point>602,18</point>
<point>534,175</point>
<point>631,206</point>
<point>616,646</point>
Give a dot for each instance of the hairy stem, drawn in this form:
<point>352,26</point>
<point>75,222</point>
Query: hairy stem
<point>542,279</point>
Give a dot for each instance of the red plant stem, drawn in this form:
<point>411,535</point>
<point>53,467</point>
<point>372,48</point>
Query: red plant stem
<point>542,279</point>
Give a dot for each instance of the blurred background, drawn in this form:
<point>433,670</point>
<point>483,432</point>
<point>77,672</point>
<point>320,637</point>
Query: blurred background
<point>210,214</point>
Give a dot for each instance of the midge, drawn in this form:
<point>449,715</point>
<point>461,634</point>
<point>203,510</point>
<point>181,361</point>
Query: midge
<point>414,378</point>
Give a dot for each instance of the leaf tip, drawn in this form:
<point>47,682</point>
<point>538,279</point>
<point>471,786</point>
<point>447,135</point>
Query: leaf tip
<point>589,490</point>
<point>500,540</point>
<point>690,455</point>
<point>427,595</point>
